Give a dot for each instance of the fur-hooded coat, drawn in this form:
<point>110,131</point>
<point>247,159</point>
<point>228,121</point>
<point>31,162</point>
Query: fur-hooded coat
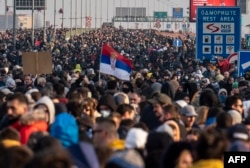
<point>32,122</point>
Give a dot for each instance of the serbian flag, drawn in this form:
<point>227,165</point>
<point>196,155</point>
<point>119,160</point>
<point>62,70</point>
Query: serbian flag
<point>113,63</point>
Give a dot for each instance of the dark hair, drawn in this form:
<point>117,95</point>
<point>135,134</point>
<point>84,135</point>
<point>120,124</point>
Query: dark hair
<point>18,96</point>
<point>112,84</point>
<point>103,154</point>
<point>108,125</point>
<point>172,109</point>
<point>51,159</point>
<point>123,108</point>
<point>224,120</point>
<point>211,145</point>
<point>214,111</point>
<point>36,96</point>
<point>16,157</point>
<point>9,133</point>
<point>194,131</point>
<point>59,89</point>
<point>173,152</point>
<point>75,108</point>
<point>155,146</point>
<point>46,142</point>
<point>208,98</point>
<point>231,100</point>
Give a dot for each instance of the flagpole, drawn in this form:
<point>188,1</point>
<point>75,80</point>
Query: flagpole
<point>90,14</point>
<point>81,15</point>
<point>44,23</point>
<point>99,75</point>
<point>128,15</point>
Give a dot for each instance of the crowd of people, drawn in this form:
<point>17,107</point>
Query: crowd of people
<point>175,112</point>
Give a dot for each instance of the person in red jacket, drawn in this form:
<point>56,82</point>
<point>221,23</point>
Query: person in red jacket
<point>31,122</point>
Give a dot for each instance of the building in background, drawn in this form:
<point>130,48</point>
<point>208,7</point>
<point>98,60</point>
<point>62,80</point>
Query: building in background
<point>24,21</point>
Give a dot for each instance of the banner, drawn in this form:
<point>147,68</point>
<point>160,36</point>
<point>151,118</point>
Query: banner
<point>195,3</point>
<point>37,63</point>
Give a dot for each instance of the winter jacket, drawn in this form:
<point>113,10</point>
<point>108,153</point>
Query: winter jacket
<point>32,122</point>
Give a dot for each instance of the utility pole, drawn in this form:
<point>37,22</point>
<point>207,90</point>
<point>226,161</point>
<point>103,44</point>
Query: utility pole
<point>33,31</point>
<point>101,15</point>
<point>95,14</point>
<point>63,14</point>
<point>71,18</point>
<point>6,15</point>
<point>81,15</point>
<point>107,10</point>
<point>76,14</point>
<point>86,13</point>
<point>14,25</point>
<point>54,16</point>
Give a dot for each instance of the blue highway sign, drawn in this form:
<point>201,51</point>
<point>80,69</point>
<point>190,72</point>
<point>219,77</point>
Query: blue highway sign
<point>218,31</point>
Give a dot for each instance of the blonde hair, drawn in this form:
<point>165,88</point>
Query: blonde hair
<point>91,103</point>
<point>176,128</point>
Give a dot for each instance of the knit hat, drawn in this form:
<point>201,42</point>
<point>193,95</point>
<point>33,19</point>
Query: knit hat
<point>136,138</point>
<point>188,111</point>
<point>127,159</point>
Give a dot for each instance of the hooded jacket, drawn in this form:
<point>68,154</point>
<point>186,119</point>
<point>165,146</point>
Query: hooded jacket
<point>108,101</point>
<point>31,122</point>
<point>65,129</point>
<point>45,100</point>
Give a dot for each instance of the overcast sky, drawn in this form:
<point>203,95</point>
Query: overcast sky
<point>99,10</point>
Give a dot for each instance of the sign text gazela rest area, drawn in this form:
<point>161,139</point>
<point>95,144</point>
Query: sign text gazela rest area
<point>218,31</point>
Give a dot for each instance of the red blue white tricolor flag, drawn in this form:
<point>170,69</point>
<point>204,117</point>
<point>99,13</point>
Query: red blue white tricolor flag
<point>115,64</point>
